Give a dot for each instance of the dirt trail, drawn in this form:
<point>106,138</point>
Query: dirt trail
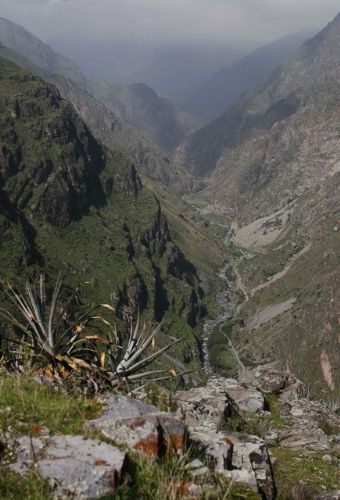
<point>240,285</point>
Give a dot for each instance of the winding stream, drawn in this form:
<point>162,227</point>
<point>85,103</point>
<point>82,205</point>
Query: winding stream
<point>227,302</point>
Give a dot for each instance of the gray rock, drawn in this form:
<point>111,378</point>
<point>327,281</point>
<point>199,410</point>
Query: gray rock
<point>129,422</point>
<point>247,399</point>
<point>75,466</point>
<point>211,446</point>
<point>293,391</point>
<point>219,399</point>
<point>195,464</point>
<point>203,403</point>
<point>241,457</point>
<point>265,378</point>
<point>194,491</point>
<point>117,407</point>
<point>335,495</point>
<point>242,476</point>
<point>304,418</point>
<point>201,473</point>
<point>250,453</point>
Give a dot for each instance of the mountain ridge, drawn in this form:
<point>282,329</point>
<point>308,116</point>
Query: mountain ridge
<point>271,169</point>
<point>247,73</point>
<point>106,122</point>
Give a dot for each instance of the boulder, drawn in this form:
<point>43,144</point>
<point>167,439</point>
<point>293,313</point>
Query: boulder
<point>250,453</point>
<point>210,445</point>
<point>197,469</point>
<point>218,400</point>
<point>202,403</point>
<point>74,465</point>
<point>117,407</point>
<point>247,399</point>
<point>293,391</point>
<point>265,378</point>
<point>272,381</point>
<point>240,457</point>
<point>142,427</point>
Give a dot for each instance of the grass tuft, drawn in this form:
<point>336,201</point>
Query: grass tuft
<point>25,405</point>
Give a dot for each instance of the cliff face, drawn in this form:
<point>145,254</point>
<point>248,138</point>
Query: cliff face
<point>67,203</point>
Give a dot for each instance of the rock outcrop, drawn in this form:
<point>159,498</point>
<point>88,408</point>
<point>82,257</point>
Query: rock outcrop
<point>75,466</point>
<point>201,412</point>
<point>201,428</point>
<point>140,426</point>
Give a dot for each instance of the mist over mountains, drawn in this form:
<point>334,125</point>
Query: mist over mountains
<point>173,70</point>
<point>225,87</point>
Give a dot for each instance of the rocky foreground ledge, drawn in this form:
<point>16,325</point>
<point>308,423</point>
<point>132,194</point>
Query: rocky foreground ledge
<point>211,423</point>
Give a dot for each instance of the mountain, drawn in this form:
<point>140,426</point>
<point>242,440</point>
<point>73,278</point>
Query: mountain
<point>225,87</point>
<point>158,172</point>
<point>69,204</point>
<point>21,41</point>
<point>155,117</point>
<point>174,70</point>
<point>271,166</point>
<point>298,92</point>
<point>24,49</point>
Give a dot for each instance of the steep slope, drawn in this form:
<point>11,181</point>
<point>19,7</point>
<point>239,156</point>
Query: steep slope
<point>274,165</point>
<point>249,136</point>
<point>156,168</point>
<point>155,117</point>
<point>26,50</point>
<point>67,203</point>
<point>293,287</point>
<point>20,40</point>
<point>226,86</point>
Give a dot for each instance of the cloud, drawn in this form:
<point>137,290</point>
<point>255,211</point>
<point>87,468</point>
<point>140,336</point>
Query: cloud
<point>204,21</point>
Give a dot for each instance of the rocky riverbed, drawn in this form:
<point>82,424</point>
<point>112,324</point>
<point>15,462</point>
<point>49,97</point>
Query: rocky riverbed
<point>225,300</point>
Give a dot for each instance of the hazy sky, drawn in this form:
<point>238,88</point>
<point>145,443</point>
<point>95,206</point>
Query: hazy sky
<point>171,20</point>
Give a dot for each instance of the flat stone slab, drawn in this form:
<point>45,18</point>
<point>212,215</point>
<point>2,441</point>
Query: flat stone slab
<point>117,407</point>
<point>74,465</point>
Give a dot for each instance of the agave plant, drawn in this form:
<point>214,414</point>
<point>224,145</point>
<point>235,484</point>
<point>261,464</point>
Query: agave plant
<point>55,335</point>
<point>129,363</point>
<point>46,328</point>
